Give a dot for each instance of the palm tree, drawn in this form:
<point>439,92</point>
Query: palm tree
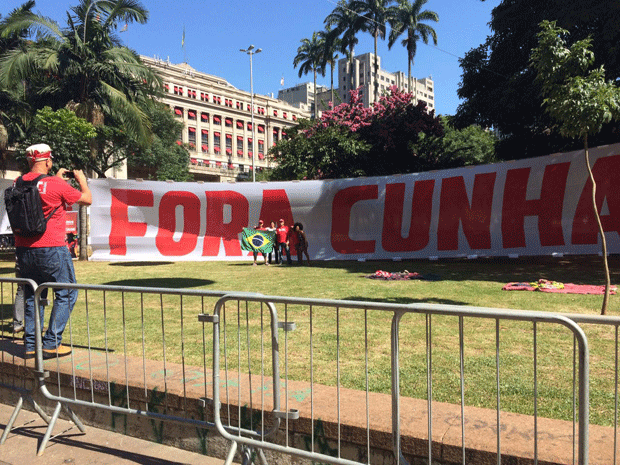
<point>86,68</point>
<point>375,15</point>
<point>13,105</point>
<point>346,23</point>
<point>310,58</point>
<point>331,45</point>
<point>407,17</point>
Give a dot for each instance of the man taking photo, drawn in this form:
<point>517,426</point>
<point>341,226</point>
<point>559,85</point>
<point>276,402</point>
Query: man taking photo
<point>45,257</point>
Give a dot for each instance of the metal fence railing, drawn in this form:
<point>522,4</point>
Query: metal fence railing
<point>337,343</point>
<point>12,352</point>
<point>342,382</point>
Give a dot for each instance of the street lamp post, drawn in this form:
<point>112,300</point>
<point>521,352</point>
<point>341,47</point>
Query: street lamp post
<point>250,51</point>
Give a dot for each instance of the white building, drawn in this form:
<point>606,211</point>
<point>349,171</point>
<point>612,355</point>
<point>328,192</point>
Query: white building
<point>362,72</point>
<point>217,121</point>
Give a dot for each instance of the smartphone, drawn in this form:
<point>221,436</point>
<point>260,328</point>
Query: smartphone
<point>69,174</point>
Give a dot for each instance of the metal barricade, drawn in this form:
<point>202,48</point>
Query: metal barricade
<point>120,337</point>
<point>12,353</point>
<point>603,334</point>
<point>332,346</point>
<point>339,386</point>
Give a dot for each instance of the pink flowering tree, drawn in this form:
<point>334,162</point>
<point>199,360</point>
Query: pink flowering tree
<point>352,140</point>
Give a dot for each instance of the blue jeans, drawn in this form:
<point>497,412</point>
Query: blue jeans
<point>47,264</point>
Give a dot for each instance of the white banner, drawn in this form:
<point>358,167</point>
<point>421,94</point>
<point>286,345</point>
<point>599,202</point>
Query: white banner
<point>537,206</point>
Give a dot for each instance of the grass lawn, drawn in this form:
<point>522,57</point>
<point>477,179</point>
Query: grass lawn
<point>463,282</point>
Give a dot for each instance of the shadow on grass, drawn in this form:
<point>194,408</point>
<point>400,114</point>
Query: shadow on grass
<point>577,269</point>
<point>141,263</point>
<point>406,300</point>
<point>163,282</point>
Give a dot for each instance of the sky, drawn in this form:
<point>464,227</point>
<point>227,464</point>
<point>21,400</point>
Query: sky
<point>216,31</point>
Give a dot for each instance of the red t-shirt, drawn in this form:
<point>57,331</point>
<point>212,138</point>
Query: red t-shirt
<point>55,192</point>
<point>282,233</point>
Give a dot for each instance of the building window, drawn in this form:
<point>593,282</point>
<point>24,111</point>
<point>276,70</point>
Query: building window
<point>275,112</point>
<point>178,111</point>
<point>261,149</point>
<point>229,144</point>
<point>204,117</point>
<point>191,137</point>
<point>217,119</point>
<point>204,97</point>
<point>250,148</point>
<point>240,146</point>
<point>216,142</point>
<point>239,124</point>
<point>204,140</point>
<point>167,88</point>
<point>249,126</point>
<point>191,114</point>
<point>261,128</point>
<point>191,93</point>
<point>228,122</point>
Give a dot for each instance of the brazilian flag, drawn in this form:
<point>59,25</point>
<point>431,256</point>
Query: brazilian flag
<point>258,241</point>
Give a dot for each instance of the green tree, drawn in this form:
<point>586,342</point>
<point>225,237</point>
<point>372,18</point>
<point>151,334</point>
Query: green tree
<point>309,58</point>
<point>407,18</point>
<point>346,23</point>
<point>352,140</point>
<point>580,101</point>
<point>498,85</point>
<point>316,152</point>
<point>468,146</point>
<point>67,135</point>
<point>375,14</point>
<point>14,108</point>
<point>164,159</point>
<point>85,68</point>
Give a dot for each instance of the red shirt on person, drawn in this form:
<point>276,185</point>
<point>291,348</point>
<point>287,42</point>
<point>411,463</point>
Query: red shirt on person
<point>282,233</point>
<point>55,192</point>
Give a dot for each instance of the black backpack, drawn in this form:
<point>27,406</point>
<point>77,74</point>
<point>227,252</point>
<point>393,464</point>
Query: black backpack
<point>24,208</point>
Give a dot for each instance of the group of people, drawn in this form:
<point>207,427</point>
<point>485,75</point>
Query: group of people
<point>285,236</point>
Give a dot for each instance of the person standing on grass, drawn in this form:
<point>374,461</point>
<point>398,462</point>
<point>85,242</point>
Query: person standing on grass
<point>260,227</point>
<point>46,258</point>
<point>283,235</point>
<point>275,250</point>
<point>302,243</point>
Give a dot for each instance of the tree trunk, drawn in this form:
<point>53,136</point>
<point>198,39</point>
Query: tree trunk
<point>600,228</point>
<point>332,83</point>
<point>376,68</point>
<point>83,217</point>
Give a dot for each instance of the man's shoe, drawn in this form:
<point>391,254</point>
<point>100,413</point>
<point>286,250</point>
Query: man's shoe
<point>60,351</point>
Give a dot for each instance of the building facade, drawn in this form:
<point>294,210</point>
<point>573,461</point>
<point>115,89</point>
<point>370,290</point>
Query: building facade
<point>301,95</point>
<point>217,120</point>
<point>361,76</point>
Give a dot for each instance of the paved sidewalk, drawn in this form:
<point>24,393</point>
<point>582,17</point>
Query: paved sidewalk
<point>95,447</point>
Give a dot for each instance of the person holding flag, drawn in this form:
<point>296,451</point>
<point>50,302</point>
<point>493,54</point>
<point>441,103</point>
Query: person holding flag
<point>259,239</point>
